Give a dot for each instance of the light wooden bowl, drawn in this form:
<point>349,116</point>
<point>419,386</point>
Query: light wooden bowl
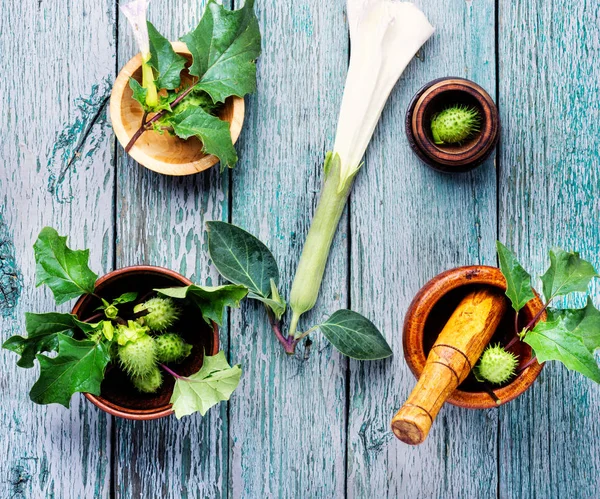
<point>164,153</point>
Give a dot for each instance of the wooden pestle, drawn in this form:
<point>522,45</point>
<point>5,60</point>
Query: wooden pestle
<point>455,352</point>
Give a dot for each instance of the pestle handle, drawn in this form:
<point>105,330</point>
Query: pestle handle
<point>455,352</point>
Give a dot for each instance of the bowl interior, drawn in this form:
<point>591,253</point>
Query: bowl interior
<point>443,309</point>
<point>444,100</point>
<point>165,148</point>
<point>116,389</point>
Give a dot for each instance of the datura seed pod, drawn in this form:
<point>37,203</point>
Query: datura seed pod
<point>162,313</point>
<point>150,382</point>
<point>496,365</point>
<point>138,357</point>
<point>455,124</point>
<point>171,347</point>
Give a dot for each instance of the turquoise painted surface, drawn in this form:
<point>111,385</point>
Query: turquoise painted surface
<point>314,425</point>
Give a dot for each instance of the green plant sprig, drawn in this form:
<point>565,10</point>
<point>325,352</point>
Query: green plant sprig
<point>224,47</point>
<point>139,341</point>
<point>569,335</point>
<point>244,260</point>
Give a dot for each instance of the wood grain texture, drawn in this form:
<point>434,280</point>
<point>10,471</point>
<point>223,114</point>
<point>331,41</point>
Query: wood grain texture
<point>549,191</point>
<point>287,425</point>
<point>408,223</point>
<point>57,67</point>
<point>160,221</point>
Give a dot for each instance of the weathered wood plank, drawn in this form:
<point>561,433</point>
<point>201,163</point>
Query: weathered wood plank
<point>549,191</point>
<point>58,60</point>
<point>409,223</point>
<point>160,221</point>
<point>287,425</point>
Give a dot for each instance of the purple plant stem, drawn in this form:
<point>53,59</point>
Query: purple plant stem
<point>529,363</point>
<point>172,373</point>
<point>156,117</point>
<point>288,343</point>
<point>527,327</point>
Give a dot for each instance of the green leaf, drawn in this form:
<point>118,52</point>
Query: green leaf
<point>210,130</point>
<point>567,273</point>
<point>63,270</point>
<point>224,47</point>
<point>167,63</point>
<point>78,367</point>
<point>139,92</point>
<point>211,300</point>
<point>213,383</point>
<point>583,323</point>
<point>42,331</point>
<point>355,336</point>
<point>125,298</point>
<point>553,341</point>
<point>518,281</point>
<point>241,258</point>
<point>276,303</point>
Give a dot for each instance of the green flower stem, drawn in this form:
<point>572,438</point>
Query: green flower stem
<point>148,83</point>
<point>309,275</point>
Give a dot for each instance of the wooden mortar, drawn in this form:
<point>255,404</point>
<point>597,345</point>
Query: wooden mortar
<point>166,154</point>
<point>449,323</point>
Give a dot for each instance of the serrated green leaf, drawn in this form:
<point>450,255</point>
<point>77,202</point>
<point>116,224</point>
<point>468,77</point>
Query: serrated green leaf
<point>553,341</point>
<point>214,383</point>
<point>63,270</point>
<point>224,47</point>
<point>567,273</point>
<point>241,258</point>
<point>355,336</point>
<point>211,300</point>
<point>78,367</point>
<point>167,63</point>
<point>518,281</point>
<point>583,323</point>
<point>210,130</point>
<point>42,331</point>
<point>139,92</point>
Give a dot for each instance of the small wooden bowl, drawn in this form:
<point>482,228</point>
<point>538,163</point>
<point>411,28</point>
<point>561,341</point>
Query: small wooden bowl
<point>430,310</point>
<point>433,98</point>
<point>118,395</point>
<point>164,153</point>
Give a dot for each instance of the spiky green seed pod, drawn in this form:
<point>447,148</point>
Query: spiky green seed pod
<point>455,124</point>
<point>496,365</point>
<point>162,313</point>
<point>138,357</point>
<point>149,383</point>
<point>171,347</point>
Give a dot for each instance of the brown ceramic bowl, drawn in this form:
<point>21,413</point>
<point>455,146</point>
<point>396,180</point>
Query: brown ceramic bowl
<point>118,396</point>
<point>430,310</point>
<point>164,153</point>
<point>433,98</point>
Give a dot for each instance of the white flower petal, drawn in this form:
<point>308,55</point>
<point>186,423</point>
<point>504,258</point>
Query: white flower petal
<point>384,36</point>
<point>135,12</point>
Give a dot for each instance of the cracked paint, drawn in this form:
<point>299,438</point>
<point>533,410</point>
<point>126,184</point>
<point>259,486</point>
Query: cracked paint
<point>10,277</point>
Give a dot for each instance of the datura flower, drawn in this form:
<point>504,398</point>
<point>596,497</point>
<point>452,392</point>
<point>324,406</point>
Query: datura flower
<point>135,12</point>
<point>384,37</point>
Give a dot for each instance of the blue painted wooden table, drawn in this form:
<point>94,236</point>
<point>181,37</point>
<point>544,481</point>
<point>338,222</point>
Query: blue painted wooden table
<point>315,425</point>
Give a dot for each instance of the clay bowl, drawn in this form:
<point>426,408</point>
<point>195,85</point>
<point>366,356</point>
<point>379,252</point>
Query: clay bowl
<point>118,396</point>
<point>429,312</point>
<point>433,98</point>
<point>164,153</point>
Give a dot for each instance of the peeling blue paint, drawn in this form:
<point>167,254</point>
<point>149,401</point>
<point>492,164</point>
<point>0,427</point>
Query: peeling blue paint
<point>76,142</point>
<point>10,277</point>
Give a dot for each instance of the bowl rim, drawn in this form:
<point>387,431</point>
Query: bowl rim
<point>421,306</point>
<point>446,162</point>
<point>98,400</point>
<point>136,152</point>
